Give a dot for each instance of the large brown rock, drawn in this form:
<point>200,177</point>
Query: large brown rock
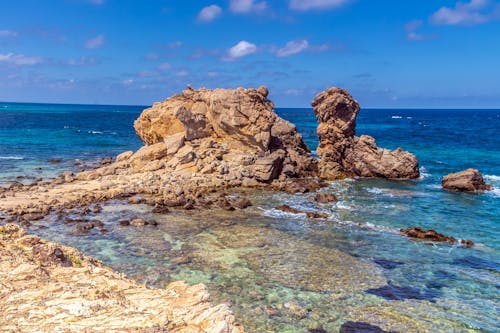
<point>469,180</point>
<point>237,126</point>
<point>343,154</point>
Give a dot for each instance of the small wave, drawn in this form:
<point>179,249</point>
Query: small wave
<point>380,191</point>
<point>11,158</point>
<point>374,190</point>
<point>95,132</point>
<point>495,192</point>
<point>409,117</point>
<point>423,173</point>
<point>276,213</point>
<point>397,117</point>
<point>343,205</point>
<point>492,178</point>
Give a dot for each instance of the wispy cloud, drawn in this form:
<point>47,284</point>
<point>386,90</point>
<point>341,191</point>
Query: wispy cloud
<point>466,13</point>
<point>303,5</point>
<point>20,60</point>
<point>240,50</point>
<point>82,61</point>
<point>209,13</point>
<point>247,6</point>
<point>95,42</point>
<point>8,33</point>
<point>292,47</point>
<point>297,46</point>
<point>413,35</point>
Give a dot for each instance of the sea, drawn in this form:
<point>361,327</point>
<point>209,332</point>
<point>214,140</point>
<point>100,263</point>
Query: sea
<point>287,273</point>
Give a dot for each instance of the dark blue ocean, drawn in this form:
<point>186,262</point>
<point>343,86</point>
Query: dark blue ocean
<point>459,288</point>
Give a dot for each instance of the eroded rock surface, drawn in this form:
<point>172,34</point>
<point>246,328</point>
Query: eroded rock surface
<point>238,126</point>
<point>343,154</point>
<point>46,287</point>
<point>470,180</point>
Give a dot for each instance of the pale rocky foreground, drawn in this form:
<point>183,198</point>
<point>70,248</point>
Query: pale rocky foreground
<point>46,287</point>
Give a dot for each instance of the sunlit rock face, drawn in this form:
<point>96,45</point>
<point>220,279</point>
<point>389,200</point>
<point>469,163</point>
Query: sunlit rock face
<point>240,123</point>
<point>343,154</point>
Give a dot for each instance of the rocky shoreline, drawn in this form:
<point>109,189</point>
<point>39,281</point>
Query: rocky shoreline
<point>205,141</point>
<point>198,145</point>
<point>47,287</point>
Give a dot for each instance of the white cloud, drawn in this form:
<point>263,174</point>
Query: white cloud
<point>82,61</point>
<point>472,12</point>
<point>165,66</point>
<point>182,73</point>
<point>19,59</point>
<point>95,42</point>
<point>247,6</point>
<point>292,47</point>
<point>412,35</point>
<point>304,5</point>
<point>8,33</point>
<point>209,13</point>
<point>413,25</point>
<point>242,49</point>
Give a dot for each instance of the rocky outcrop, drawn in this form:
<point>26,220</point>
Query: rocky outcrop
<point>469,180</point>
<point>46,287</point>
<point>227,129</point>
<point>202,141</point>
<point>343,154</point>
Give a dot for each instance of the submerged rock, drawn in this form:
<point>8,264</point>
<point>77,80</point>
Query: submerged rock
<point>343,154</point>
<point>282,259</point>
<point>325,198</point>
<point>361,327</point>
<point>469,180</point>
<point>397,293</point>
<point>433,235</point>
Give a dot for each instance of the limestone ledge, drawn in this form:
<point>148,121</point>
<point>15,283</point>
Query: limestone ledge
<point>47,287</point>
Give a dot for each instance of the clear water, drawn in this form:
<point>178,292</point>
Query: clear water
<point>287,273</point>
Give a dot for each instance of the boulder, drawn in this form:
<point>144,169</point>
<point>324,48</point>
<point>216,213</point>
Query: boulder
<point>469,180</point>
<point>226,124</point>
<point>343,154</point>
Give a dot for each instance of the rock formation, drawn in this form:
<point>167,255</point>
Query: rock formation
<point>343,154</point>
<point>204,140</point>
<point>46,287</point>
<point>226,129</point>
<point>469,180</point>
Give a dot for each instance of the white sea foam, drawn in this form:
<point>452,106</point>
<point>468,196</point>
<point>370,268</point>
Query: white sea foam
<point>397,117</point>
<point>492,178</point>
<point>11,158</point>
<point>423,173</point>
<point>95,132</point>
<point>375,190</point>
<point>495,192</point>
<point>344,205</point>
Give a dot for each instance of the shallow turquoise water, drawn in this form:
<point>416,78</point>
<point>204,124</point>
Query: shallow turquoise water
<point>442,288</point>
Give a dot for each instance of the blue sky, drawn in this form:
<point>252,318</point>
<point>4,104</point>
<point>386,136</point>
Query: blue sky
<point>412,53</point>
